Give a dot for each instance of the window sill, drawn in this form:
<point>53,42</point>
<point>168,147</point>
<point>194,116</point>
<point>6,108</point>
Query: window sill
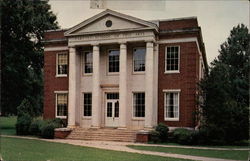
<point>61,117</point>
<point>171,72</point>
<point>138,118</point>
<point>113,73</point>
<point>87,74</point>
<point>63,75</point>
<point>171,119</point>
<point>86,117</point>
<point>139,73</point>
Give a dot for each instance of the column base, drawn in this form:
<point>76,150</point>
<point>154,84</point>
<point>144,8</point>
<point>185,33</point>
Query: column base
<point>71,126</point>
<point>122,128</point>
<point>95,127</point>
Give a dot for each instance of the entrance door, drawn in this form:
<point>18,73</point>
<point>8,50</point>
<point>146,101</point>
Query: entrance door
<point>112,113</point>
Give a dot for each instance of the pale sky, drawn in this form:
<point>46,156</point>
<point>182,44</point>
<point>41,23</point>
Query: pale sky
<point>215,17</point>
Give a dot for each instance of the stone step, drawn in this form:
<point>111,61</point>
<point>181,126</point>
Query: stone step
<point>103,134</point>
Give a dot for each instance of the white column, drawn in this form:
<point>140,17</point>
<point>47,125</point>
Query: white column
<point>149,85</point>
<point>123,86</point>
<point>72,87</point>
<point>96,109</point>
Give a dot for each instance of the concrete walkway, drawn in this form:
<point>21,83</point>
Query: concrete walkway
<point>122,146</point>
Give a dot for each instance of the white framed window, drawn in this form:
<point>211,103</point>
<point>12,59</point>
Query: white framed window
<point>139,104</point>
<point>139,59</point>
<point>61,104</point>
<point>88,62</point>
<point>62,65</point>
<point>113,61</point>
<point>172,59</point>
<point>87,105</point>
<point>171,105</point>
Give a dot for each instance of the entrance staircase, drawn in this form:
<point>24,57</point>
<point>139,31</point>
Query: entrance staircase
<point>103,134</point>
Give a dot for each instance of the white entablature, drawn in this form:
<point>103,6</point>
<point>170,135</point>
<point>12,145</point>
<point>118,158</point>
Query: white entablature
<point>111,27</point>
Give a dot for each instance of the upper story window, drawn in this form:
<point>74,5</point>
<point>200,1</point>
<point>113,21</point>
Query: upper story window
<point>172,59</point>
<point>113,61</point>
<point>61,105</point>
<point>171,103</point>
<point>62,64</point>
<point>139,104</point>
<point>139,59</point>
<point>88,62</point>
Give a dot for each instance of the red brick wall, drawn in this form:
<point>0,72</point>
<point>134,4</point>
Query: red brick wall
<point>178,24</point>
<point>52,83</point>
<point>186,81</point>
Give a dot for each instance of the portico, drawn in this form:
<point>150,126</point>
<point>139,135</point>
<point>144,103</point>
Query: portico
<point>111,43</point>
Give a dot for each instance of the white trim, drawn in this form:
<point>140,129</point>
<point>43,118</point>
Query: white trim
<point>165,60</point>
<point>59,48</point>
<point>133,70</point>
<point>171,91</point>
<point>62,75</point>
<point>60,92</point>
<point>138,118</point>
<point>112,73</point>
<point>189,39</point>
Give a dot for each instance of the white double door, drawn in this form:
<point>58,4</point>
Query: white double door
<point>112,113</point>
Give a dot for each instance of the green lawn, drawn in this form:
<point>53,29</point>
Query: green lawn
<point>224,154</point>
<point>8,125</point>
<point>36,150</point>
<point>242,144</point>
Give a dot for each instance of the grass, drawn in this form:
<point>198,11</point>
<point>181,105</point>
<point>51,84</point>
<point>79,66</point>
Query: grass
<point>223,154</point>
<point>37,150</point>
<point>8,125</point>
<point>243,144</point>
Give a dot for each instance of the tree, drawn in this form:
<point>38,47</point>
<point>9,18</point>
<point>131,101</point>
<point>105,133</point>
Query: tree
<point>23,24</point>
<point>225,109</point>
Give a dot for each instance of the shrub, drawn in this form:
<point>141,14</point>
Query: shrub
<point>47,130</point>
<point>183,136</point>
<point>23,124</point>
<point>35,127</point>
<point>162,129</point>
<point>25,108</point>
<point>155,136</point>
<point>58,122</point>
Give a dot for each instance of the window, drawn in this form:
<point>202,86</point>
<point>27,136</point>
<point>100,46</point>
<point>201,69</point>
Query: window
<point>62,64</point>
<point>111,96</point>
<point>87,111</point>
<point>61,105</point>
<point>139,59</point>
<point>139,104</point>
<point>171,103</point>
<point>172,59</point>
<point>114,60</point>
<point>88,62</point>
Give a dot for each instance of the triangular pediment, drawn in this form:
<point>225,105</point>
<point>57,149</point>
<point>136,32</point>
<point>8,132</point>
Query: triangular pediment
<point>108,21</point>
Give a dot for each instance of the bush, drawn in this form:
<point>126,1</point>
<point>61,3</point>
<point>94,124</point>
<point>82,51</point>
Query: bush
<point>25,108</point>
<point>35,127</point>
<point>47,130</point>
<point>183,136</point>
<point>155,136</point>
<point>162,129</point>
<point>23,124</point>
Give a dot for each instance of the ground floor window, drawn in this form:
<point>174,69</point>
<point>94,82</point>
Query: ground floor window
<point>171,103</point>
<point>87,109</point>
<point>139,104</point>
<point>61,104</point>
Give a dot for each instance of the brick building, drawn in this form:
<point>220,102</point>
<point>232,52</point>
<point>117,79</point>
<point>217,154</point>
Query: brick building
<point>114,70</point>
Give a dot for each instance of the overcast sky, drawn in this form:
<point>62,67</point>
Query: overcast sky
<point>215,17</point>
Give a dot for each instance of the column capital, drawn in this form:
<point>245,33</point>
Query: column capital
<point>122,42</point>
<point>149,44</point>
<point>95,44</point>
<point>123,46</point>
